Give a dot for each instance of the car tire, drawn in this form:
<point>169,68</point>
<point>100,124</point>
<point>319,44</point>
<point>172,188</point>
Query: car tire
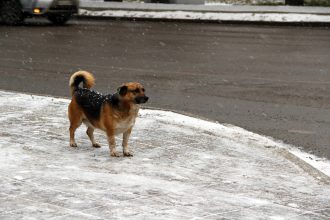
<point>11,12</point>
<point>294,2</point>
<point>59,19</point>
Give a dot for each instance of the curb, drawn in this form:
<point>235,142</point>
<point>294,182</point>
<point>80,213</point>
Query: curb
<point>205,8</point>
<point>308,168</point>
<point>230,22</point>
<point>206,13</point>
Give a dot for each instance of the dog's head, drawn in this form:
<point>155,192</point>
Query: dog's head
<point>133,92</point>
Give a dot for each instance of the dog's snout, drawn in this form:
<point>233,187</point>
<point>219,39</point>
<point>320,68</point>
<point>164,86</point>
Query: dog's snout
<point>141,100</point>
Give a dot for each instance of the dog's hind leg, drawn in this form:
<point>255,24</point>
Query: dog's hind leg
<point>75,117</point>
<point>90,133</point>
<point>72,129</point>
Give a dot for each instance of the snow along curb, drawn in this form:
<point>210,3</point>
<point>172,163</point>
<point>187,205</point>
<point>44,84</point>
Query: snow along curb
<point>207,12</point>
<point>209,16</point>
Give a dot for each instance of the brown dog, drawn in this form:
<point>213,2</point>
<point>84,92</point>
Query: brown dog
<point>114,114</point>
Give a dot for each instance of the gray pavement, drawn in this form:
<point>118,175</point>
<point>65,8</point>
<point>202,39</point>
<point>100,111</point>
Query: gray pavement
<point>183,168</point>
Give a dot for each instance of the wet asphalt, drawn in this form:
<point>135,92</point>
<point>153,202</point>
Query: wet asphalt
<point>272,80</point>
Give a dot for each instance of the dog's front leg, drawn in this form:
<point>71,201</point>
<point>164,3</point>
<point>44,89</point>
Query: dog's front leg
<point>112,144</point>
<point>126,135</point>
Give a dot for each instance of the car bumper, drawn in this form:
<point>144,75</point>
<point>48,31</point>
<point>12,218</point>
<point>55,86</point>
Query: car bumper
<point>53,7</point>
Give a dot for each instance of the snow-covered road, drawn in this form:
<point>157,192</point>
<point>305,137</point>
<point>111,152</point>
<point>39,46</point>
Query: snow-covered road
<point>183,168</point>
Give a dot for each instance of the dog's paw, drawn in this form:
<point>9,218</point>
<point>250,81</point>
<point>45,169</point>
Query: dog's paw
<point>114,154</point>
<point>73,145</point>
<point>128,154</point>
<point>96,145</point>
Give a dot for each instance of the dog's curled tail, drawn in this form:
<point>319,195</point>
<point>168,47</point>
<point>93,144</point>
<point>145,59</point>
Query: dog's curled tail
<point>85,77</point>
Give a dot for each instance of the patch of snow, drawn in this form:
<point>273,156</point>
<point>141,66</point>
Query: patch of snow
<point>211,16</point>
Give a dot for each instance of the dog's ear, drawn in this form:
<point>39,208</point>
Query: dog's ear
<point>122,90</point>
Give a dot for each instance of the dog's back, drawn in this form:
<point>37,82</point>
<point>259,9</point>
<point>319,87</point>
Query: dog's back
<point>89,101</point>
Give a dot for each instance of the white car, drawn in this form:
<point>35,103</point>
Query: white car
<point>57,11</point>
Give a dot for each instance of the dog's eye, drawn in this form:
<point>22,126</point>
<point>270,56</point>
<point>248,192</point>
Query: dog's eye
<point>135,91</point>
<point>143,90</point>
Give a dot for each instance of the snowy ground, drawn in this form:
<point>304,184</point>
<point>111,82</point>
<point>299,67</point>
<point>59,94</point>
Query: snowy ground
<point>183,168</point>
